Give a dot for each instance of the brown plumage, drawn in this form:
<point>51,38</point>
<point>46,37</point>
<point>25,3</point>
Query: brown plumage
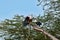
<point>27,21</point>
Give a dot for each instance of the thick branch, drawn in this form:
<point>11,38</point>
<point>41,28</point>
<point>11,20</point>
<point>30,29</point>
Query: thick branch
<point>46,33</point>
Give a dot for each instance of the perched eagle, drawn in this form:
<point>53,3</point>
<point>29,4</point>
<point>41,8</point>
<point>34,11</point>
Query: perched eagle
<point>28,20</point>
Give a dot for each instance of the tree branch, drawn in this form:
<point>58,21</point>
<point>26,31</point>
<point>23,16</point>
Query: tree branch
<point>46,33</point>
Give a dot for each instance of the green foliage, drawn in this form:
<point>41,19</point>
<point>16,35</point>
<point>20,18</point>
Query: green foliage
<point>15,30</point>
<point>51,18</point>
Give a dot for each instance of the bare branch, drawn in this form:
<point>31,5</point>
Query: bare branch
<point>46,33</point>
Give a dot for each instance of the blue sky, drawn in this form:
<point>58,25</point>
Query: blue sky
<point>9,8</point>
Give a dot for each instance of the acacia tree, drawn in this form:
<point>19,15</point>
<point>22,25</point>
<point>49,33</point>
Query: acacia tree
<point>14,30</point>
<point>51,15</point>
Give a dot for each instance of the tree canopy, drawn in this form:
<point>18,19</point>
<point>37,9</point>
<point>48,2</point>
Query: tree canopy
<point>13,29</point>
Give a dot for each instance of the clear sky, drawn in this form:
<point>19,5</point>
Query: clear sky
<point>9,8</point>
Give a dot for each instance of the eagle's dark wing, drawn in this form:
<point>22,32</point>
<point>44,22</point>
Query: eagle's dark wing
<point>38,23</point>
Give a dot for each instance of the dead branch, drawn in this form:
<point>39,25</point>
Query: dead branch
<point>46,33</point>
